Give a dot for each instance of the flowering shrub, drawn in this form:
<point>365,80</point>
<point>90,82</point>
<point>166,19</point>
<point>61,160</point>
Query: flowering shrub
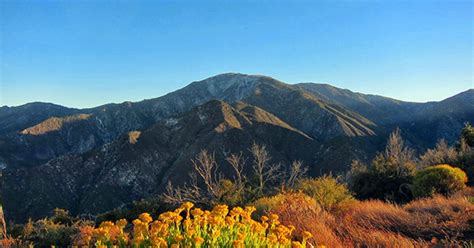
<point>192,227</point>
<point>439,179</point>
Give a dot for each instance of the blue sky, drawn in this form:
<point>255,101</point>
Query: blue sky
<point>87,53</point>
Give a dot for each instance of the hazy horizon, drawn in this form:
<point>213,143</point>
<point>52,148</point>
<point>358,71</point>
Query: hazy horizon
<point>88,53</point>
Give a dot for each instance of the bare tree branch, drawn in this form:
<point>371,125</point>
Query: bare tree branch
<point>297,171</point>
<point>237,162</point>
<point>264,171</point>
<point>206,167</point>
<point>188,192</point>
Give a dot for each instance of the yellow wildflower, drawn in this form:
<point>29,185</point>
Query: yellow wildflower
<point>215,228</point>
<point>145,217</point>
<point>272,238</point>
<point>121,223</point>
<point>273,217</point>
<point>198,240</point>
<point>107,224</point>
<point>179,210</point>
<point>307,235</point>
<point>216,233</point>
<point>296,244</point>
<point>178,238</point>
<point>236,211</point>
<point>229,221</point>
<point>240,236</point>
<point>250,209</point>
<point>197,212</point>
<point>187,205</point>
<point>136,222</point>
<point>220,210</point>
<point>238,243</point>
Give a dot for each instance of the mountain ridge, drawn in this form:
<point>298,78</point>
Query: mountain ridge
<point>145,144</point>
<point>139,167</point>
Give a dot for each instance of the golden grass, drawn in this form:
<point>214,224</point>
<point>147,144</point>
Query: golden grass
<point>301,211</point>
<point>429,222</point>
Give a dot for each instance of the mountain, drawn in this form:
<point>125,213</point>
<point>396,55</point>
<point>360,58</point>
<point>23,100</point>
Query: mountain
<point>383,110</point>
<point>320,120</point>
<point>17,118</point>
<point>92,160</point>
<point>423,123</point>
<point>444,119</point>
<point>141,163</point>
<point>376,108</point>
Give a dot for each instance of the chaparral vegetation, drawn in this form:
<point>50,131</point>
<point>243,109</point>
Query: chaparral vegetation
<point>397,200</point>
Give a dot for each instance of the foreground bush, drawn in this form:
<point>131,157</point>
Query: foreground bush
<point>439,179</point>
<point>56,230</point>
<point>131,211</point>
<point>330,194</point>
<point>192,227</point>
<point>387,176</point>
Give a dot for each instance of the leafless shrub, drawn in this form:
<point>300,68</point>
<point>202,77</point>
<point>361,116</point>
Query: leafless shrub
<point>206,167</point>
<point>264,171</point>
<point>237,162</point>
<point>188,192</point>
<point>297,172</point>
<point>207,186</point>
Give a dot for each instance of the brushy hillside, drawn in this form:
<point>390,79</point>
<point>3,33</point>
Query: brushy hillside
<point>53,156</point>
<point>286,220</point>
<point>397,200</point>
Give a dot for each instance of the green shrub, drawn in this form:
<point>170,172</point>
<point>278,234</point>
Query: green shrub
<point>467,134</point>
<point>132,210</point>
<point>368,183</point>
<point>439,179</point>
<point>330,194</point>
<point>231,194</point>
<point>56,230</point>
<point>387,176</point>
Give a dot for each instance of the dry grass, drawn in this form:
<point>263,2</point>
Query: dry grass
<point>429,222</point>
<point>423,220</point>
<point>376,238</point>
<point>440,217</point>
<point>304,213</point>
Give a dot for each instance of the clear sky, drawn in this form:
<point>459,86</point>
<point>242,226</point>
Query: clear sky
<point>87,53</point>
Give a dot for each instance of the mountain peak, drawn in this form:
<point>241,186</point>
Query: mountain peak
<point>243,83</point>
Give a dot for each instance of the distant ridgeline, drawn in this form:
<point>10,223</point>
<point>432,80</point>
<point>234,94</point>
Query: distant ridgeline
<point>93,160</point>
